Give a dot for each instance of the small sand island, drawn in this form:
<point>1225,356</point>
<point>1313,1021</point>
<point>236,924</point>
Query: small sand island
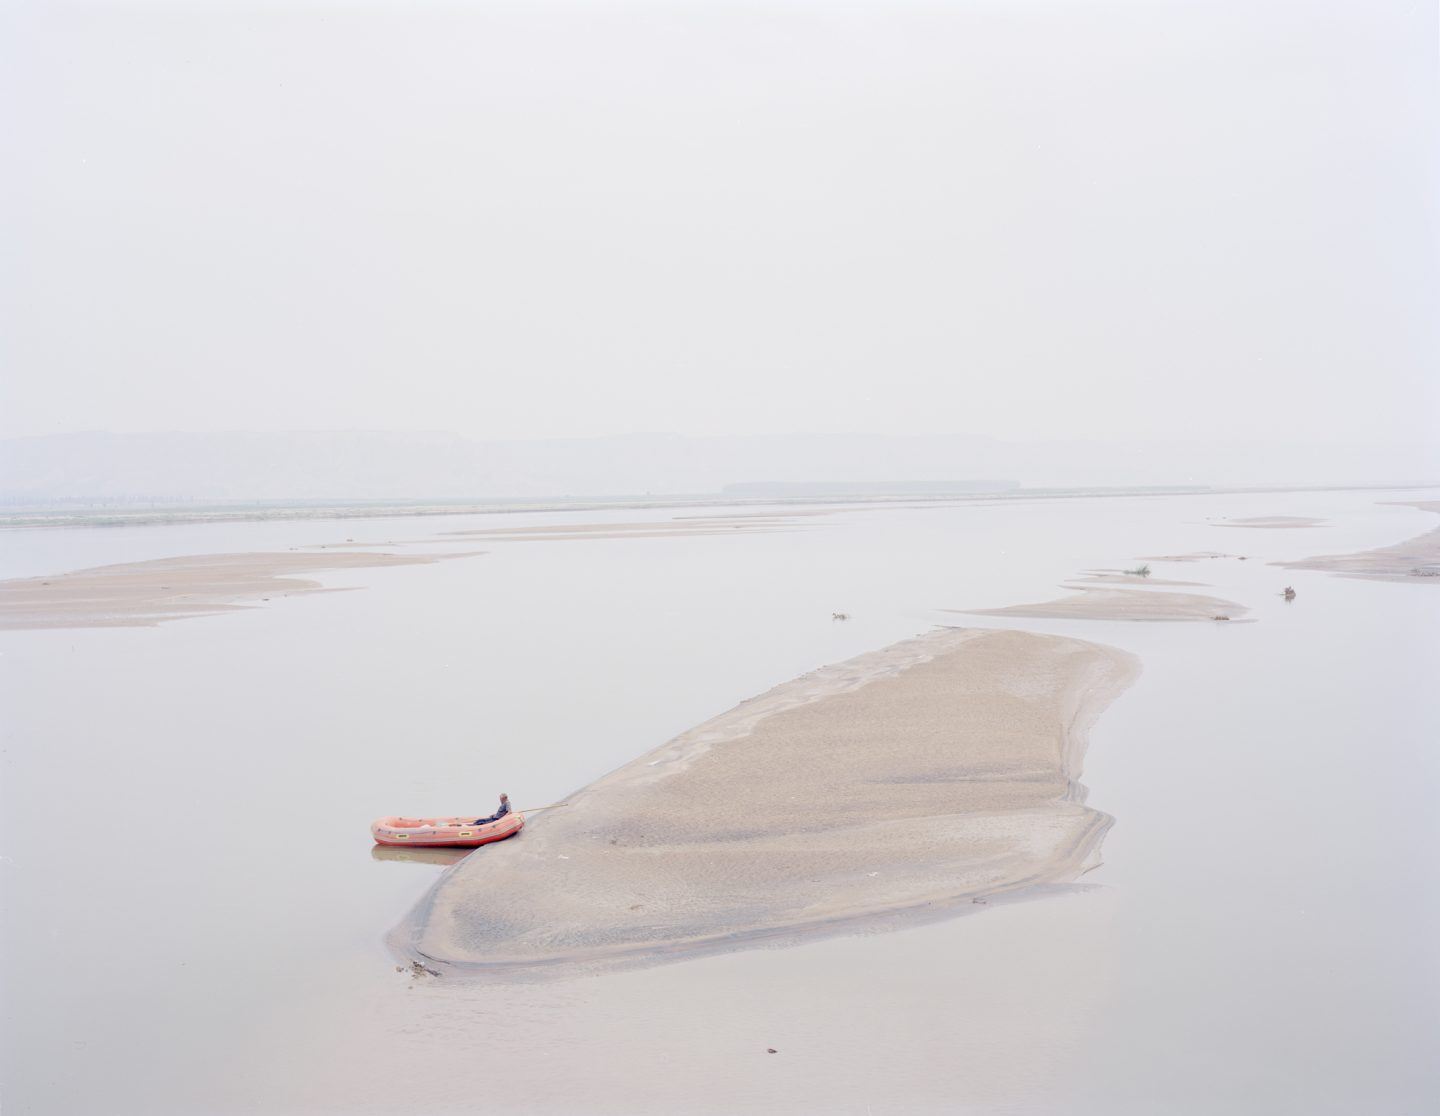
<point>1128,577</point>
<point>1274,522</point>
<point>1123,604</point>
<point>1193,556</point>
<point>928,773</point>
<point>680,527</point>
<point>142,594</point>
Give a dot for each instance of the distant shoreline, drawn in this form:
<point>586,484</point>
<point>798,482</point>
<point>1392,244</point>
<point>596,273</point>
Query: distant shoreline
<point>118,514</point>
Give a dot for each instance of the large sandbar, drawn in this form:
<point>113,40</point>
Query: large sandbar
<point>1416,559</point>
<point>934,771</point>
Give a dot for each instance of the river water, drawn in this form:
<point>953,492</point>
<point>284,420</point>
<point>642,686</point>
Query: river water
<point>194,921</point>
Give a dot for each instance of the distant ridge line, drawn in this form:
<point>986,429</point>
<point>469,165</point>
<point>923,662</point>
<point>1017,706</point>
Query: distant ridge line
<point>107,514</point>
<point>867,488</point>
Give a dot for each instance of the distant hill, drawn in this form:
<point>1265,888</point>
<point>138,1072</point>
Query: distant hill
<point>371,465</point>
<point>794,490</point>
<point>378,465</point>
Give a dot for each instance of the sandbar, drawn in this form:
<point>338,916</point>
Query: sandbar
<point>1196,556</point>
<point>1273,522</point>
<point>932,772</point>
<point>654,529</point>
<point>1415,560</point>
<point>1121,577</point>
<point>1122,604</point>
<point>143,594</point>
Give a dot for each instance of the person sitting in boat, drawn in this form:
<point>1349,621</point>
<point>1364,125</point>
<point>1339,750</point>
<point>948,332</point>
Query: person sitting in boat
<point>498,814</point>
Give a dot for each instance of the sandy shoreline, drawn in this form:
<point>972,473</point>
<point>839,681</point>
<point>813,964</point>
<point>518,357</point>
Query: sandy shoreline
<point>938,769</point>
<point>143,594</point>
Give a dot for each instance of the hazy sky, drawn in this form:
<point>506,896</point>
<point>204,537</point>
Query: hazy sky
<point>1142,219</point>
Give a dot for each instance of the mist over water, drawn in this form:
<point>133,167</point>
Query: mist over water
<point>141,469</point>
<point>200,957</point>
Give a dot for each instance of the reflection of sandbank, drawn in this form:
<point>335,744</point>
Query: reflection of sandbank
<point>1416,559</point>
<point>935,770</point>
<point>442,857</point>
<point>1123,604</point>
<point>139,594</point>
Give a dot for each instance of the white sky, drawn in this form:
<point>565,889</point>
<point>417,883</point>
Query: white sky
<point>1019,219</point>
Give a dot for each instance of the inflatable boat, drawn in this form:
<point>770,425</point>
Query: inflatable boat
<point>459,833</point>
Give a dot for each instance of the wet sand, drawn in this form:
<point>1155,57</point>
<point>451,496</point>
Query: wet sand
<point>143,594</point>
<point>1123,604</point>
<point>934,771</point>
<point>1414,560</point>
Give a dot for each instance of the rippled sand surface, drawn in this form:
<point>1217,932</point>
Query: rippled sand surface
<point>932,771</point>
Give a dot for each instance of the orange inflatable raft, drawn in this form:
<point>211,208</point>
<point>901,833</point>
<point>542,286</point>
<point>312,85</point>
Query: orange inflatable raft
<point>444,832</point>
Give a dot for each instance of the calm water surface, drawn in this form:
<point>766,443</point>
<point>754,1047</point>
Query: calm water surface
<point>194,921</point>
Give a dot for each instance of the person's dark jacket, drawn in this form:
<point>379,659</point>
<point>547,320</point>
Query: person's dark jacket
<point>496,816</point>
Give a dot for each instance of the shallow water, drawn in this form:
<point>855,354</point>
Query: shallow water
<point>194,921</point>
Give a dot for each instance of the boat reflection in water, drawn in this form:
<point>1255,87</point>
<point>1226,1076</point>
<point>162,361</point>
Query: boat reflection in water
<point>441,857</point>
